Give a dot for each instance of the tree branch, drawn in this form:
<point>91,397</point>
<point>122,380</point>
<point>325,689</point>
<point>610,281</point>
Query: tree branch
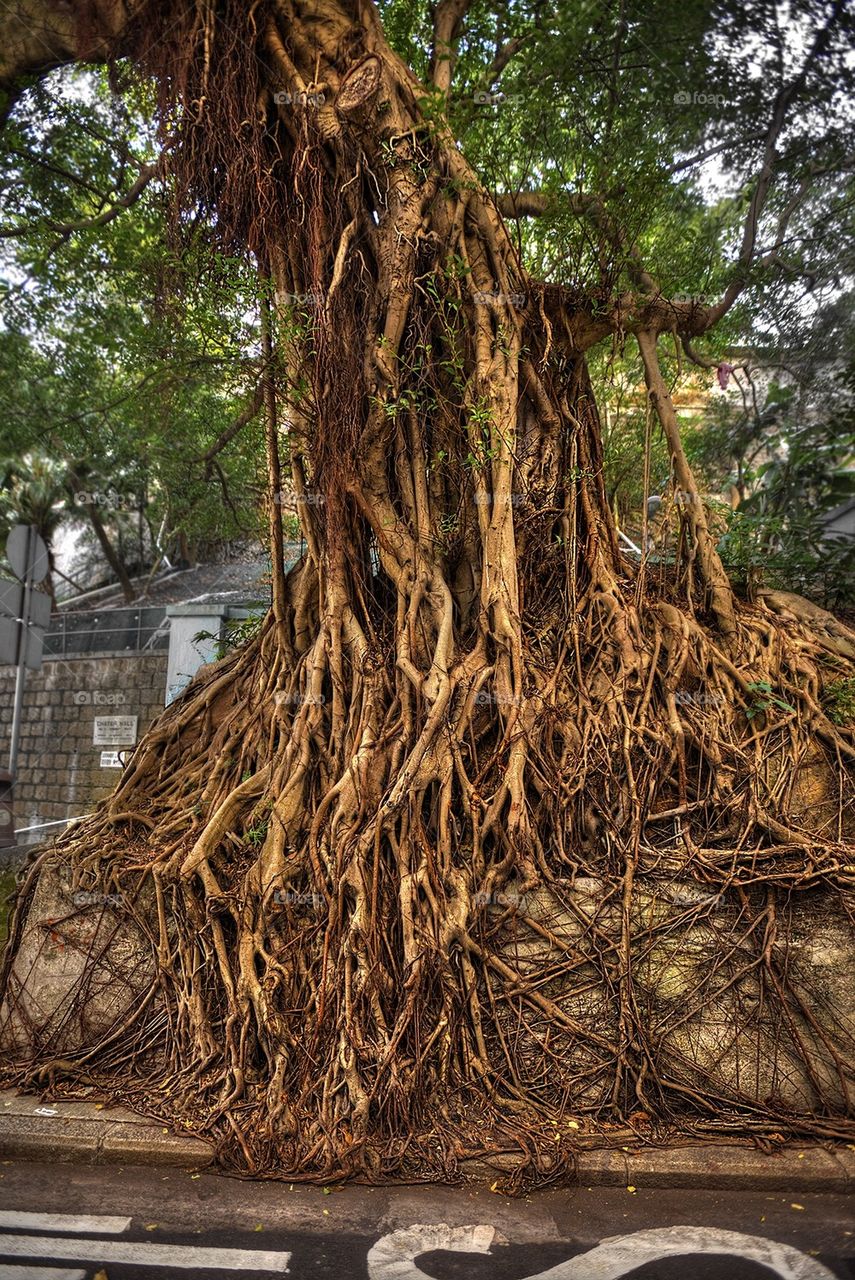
<point>503,55</point>
<point>447,24</point>
<point>766,174</point>
<point>37,36</point>
<point>533,204</point>
<point>147,172</point>
<point>526,204</point>
<point>714,151</point>
<point>237,426</point>
<point>24,153</point>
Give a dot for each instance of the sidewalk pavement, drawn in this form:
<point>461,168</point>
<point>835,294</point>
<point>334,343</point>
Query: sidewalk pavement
<point>89,1133</point>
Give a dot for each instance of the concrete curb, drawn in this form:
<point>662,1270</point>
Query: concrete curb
<point>721,1168</point>
<point>717,1167</point>
<point>85,1133</point>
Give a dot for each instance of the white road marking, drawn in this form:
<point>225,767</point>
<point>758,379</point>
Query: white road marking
<point>393,1256</point>
<point>39,1273</point>
<point>619,1255</point>
<point>76,1223</point>
<point>144,1253</point>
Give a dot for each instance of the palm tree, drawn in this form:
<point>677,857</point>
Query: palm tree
<point>33,490</point>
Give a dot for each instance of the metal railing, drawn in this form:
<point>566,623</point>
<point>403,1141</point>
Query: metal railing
<point>107,631</point>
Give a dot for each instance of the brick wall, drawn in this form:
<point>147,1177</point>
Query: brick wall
<point>59,769</point>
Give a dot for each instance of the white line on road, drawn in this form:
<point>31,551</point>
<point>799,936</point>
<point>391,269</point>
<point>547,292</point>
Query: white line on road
<point>39,1273</point>
<point>76,1223</point>
<point>144,1253</point>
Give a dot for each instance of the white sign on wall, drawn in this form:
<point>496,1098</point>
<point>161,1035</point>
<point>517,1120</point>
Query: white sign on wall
<point>112,759</point>
<point>115,731</point>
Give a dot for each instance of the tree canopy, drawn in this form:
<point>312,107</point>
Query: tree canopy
<point>694,153</point>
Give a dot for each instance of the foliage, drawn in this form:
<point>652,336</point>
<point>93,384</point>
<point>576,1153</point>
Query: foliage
<point>123,359</point>
<point>789,448</point>
<point>787,553</point>
<point>236,633</point>
<point>762,698</point>
<point>839,700</point>
<point>32,491</point>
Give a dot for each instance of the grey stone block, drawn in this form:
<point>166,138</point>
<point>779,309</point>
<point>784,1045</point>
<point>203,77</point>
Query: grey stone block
<point>152,1144</point>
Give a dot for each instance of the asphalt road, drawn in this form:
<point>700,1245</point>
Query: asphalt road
<point>69,1222</point>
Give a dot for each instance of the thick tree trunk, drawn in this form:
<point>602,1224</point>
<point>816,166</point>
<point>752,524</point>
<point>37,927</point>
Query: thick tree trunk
<point>336,848</point>
<point>114,560</point>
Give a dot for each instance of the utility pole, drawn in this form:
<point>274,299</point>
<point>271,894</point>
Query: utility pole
<point>24,616</point>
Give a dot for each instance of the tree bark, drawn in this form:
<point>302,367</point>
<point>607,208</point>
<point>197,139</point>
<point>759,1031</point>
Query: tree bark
<point>464,696</point>
<point>113,559</point>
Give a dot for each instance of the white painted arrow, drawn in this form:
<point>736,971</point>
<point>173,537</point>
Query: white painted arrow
<point>393,1256</point>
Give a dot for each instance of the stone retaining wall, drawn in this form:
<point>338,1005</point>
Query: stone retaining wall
<point>59,768</point>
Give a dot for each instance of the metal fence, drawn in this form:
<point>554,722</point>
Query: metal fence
<point>107,631</point>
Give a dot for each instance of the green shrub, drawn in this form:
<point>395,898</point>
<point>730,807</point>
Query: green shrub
<point>839,700</point>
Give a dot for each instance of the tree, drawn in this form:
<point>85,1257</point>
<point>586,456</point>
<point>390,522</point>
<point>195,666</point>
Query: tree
<point>31,492</point>
<point>462,695</point>
<point>130,366</point>
<point>786,441</point>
